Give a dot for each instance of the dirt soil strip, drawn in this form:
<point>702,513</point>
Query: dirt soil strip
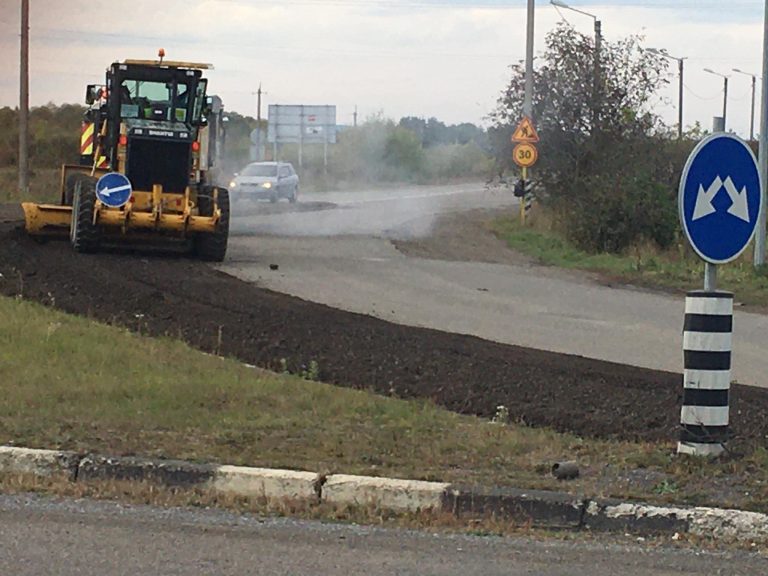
<point>215,312</point>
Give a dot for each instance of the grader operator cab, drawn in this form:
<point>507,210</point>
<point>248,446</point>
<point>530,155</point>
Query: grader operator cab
<point>148,147</point>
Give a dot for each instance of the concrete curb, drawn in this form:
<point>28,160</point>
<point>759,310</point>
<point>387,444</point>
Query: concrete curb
<point>535,508</point>
<point>164,472</point>
<point>266,483</point>
<point>42,463</point>
<point>389,493</point>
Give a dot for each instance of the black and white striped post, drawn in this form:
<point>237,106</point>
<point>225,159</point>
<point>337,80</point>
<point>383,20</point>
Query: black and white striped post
<point>720,199</point>
<point>707,341</point>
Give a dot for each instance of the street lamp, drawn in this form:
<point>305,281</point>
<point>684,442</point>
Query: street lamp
<point>725,90</point>
<point>664,53</point>
<point>752,117</point>
<point>598,35</point>
<point>598,43</point>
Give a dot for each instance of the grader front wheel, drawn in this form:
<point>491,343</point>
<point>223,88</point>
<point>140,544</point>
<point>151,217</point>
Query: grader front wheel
<point>213,247</point>
<point>84,234</point>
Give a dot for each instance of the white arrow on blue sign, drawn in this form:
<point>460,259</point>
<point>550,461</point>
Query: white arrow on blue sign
<point>720,197</point>
<point>114,189</point>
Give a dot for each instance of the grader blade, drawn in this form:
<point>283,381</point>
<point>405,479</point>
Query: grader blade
<point>47,219</point>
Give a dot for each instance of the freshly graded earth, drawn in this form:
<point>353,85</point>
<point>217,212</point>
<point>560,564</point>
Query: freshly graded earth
<point>181,298</point>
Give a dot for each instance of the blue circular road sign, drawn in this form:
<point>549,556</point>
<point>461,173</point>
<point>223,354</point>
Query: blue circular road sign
<point>114,189</point>
<point>720,197</point>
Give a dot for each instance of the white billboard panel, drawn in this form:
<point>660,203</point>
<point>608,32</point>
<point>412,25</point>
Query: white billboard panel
<point>299,124</point>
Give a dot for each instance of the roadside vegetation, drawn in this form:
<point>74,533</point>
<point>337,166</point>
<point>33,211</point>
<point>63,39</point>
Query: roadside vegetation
<point>606,182</point>
<point>675,268</point>
<point>609,167</point>
<point>70,383</point>
<point>379,151</point>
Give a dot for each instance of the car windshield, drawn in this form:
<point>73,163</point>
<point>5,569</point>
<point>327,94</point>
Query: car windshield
<point>260,170</point>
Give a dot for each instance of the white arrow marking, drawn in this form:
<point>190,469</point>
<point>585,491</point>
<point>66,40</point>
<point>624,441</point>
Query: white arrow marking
<point>109,191</point>
<point>704,199</point>
<point>739,206</point>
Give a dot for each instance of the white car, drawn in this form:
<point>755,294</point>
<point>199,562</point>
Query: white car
<point>265,181</point>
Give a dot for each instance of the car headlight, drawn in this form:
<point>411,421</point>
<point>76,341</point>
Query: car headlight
<point>233,184</point>
<point>267,184</point>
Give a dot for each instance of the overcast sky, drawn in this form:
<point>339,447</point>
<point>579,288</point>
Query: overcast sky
<point>442,58</point>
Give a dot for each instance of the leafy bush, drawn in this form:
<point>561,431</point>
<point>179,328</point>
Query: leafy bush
<point>610,214</point>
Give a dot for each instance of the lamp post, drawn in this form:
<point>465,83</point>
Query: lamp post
<point>598,44</point>
<point>598,29</point>
<point>752,117</point>
<point>664,53</point>
<point>725,91</point>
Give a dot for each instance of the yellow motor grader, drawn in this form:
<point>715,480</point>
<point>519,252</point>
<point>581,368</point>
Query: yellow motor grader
<point>149,143</point>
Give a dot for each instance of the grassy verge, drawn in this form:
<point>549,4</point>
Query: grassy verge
<point>43,185</point>
<point>677,269</point>
<point>69,383</point>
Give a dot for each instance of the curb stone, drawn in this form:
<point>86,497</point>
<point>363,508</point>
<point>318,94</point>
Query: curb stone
<point>43,463</point>
<point>390,493</point>
<point>164,472</point>
<point>266,483</point>
<point>701,521</point>
<point>617,516</point>
<point>536,508</point>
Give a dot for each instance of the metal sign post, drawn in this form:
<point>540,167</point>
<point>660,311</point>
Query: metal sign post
<point>525,155</point>
<point>720,203</point>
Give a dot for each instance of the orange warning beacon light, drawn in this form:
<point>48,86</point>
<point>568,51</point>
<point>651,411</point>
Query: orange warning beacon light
<point>161,54</point>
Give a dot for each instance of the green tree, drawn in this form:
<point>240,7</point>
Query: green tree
<point>604,166</point>
<point>403,150</point>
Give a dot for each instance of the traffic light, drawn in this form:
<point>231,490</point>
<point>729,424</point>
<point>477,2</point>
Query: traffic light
<point>523,187</point>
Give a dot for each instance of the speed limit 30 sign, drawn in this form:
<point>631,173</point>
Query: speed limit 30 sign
<point>525,154</point>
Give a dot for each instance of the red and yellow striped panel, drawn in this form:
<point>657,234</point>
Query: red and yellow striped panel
<point>86,139</point>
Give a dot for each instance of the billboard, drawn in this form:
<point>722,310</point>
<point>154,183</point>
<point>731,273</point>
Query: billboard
<point>300,124</point>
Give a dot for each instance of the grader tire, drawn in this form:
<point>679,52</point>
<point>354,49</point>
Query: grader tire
<point>213,247</point>
<point>69,186</point>
<point>84,234</point>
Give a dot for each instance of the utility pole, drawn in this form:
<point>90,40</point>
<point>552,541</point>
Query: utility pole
<point>24,101</point>
<point>759,255</point>
<point>528,102</point>
<point>598,48</point>
<point>258,123</point>
<point>752,114</point>
<point>354,116</point>
<point>680,101</point>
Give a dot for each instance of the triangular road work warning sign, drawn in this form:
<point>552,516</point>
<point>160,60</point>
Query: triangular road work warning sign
<point>525,132</point>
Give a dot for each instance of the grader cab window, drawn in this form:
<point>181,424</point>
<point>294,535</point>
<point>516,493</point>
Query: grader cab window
<point>154,100</point>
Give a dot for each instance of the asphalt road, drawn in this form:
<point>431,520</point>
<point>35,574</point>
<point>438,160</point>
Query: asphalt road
<point>338,251</point>
<point>77,537</point>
